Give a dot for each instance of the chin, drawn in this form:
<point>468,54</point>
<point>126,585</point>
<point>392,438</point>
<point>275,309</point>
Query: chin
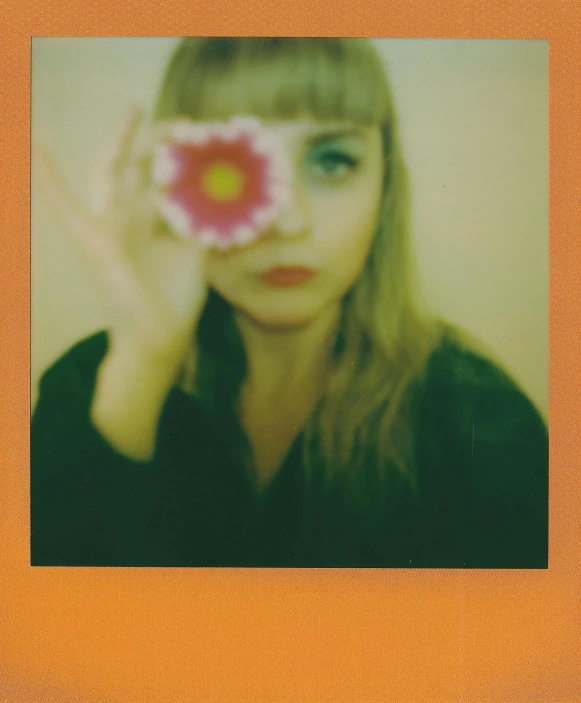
<point>280,319</point>
<point>282,323</point>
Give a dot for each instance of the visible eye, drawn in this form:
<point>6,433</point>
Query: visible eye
<point>332,164</point>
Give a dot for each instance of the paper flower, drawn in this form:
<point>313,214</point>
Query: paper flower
<point>223,182</point>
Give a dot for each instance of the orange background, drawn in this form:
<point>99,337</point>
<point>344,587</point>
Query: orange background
<point>178,635</point>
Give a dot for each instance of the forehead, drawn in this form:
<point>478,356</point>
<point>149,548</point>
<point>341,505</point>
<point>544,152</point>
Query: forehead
<point>312,129</point>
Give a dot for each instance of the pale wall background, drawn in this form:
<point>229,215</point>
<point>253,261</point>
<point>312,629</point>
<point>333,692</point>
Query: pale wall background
<point>474,121</point>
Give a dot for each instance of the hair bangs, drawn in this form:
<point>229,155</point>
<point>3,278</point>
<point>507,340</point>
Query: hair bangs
<point>276,78</point>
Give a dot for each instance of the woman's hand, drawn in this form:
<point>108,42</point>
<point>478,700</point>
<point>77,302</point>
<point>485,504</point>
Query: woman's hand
<point>154,283</point>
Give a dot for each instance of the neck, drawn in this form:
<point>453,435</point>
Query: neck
<point>281,359</point>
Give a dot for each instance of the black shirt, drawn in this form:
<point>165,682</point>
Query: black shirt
<point>481,452</point>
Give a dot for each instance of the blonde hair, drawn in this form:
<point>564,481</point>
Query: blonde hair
<point>363,426</point>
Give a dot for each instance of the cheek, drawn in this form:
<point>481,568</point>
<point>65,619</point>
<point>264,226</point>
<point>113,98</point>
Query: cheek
<point>348,260</point>
<point>350,227</point>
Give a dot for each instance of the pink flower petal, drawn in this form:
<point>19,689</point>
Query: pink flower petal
<point>221,211</point>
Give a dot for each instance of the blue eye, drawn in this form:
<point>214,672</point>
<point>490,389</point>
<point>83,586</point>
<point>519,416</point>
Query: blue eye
<point>333,164</point>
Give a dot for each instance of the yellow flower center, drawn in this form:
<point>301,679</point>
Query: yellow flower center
<point>223,181</point>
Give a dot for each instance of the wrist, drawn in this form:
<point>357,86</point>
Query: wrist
<point>130,393</point>
<point>160,366</point>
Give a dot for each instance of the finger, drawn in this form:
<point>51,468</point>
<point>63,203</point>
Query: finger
<point>196,248</point>
<point>192,246</point>
<point>144,156</point>
<point>122,147</point>
<point>79,224</point>
<point>170,130</point>
<point>114,173</point>
<point>56,194</point>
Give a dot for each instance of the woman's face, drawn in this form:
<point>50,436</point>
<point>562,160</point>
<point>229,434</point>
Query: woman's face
<point>316,249</point>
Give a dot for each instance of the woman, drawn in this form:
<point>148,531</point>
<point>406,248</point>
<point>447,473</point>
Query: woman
<point>232,417</point>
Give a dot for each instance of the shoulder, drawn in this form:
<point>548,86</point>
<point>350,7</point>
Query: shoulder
<point>483,462</point>
<point>463,385</point>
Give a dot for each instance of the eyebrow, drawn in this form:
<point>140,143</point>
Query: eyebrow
<point>334,134</point>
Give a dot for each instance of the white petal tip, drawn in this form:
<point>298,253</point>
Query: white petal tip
<point>165,169</point>
<point>244,234</point>
<point>207,237</point>
<point>263,217</point>
<point>176,217</point>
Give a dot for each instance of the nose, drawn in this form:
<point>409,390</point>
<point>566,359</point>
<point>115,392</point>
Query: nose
<point>292,220</point>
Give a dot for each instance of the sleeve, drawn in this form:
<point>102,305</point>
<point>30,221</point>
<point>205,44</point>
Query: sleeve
<point>490,492</point>
<point>88,503</point>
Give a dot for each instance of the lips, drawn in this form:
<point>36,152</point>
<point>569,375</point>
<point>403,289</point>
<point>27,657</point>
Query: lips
<point>287,276</point>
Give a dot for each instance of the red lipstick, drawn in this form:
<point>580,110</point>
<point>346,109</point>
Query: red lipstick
<point>287,276</point>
